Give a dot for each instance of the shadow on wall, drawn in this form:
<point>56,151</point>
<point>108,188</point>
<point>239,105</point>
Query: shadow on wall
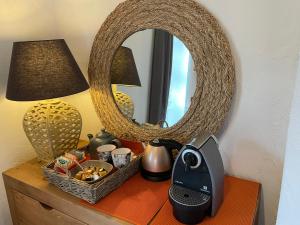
<point>248,160</point>
<point>237,91</point>
<point>261,210</point>
<point>231,114</point>
<point>5,54</point>
<point>80,47</point>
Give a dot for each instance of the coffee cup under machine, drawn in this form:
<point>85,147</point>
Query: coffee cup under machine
<point>197,185</point>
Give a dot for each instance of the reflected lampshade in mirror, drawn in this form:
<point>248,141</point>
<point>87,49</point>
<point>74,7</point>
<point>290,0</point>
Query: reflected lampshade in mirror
<point>124,72</point>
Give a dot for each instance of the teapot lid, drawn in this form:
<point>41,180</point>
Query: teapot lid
<point>103,134</point>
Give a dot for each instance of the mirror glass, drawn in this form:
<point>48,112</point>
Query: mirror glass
<point>153,78</point>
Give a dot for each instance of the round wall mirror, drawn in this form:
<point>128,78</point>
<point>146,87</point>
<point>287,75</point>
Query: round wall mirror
<point>129,32</point>
<point>153,78</point>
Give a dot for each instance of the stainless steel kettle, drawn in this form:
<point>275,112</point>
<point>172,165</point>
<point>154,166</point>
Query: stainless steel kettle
<point>158,160</point>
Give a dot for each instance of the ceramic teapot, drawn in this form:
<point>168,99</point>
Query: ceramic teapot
<point>101,138</point>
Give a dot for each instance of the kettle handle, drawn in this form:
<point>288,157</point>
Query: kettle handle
<point>171,144</point>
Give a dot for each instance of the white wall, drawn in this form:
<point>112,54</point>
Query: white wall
<point>288,212</point>
<point>265,38</point>
<point>141,44</point>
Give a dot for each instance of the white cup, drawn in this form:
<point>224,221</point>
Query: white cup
<point>104,152</point>
<point>121,157</point>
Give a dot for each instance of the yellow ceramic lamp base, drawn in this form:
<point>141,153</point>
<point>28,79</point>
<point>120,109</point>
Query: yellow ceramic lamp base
<point>53,127</point>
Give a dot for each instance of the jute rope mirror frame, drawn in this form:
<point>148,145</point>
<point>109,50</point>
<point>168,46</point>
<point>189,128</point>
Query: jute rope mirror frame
<point>210,50</point>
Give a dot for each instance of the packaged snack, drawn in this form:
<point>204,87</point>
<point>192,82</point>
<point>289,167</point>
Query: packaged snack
<point>80,155</point>
<point>63,163</point>
<point>91,173</point>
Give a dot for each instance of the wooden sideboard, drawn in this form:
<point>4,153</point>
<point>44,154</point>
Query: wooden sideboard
<point>33,201</point>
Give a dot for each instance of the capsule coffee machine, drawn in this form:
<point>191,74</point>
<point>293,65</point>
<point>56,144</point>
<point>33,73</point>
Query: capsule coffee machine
<point>197,186</point>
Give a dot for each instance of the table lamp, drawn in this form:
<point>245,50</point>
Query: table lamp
<point>124,72</point>
<point>45,70</point>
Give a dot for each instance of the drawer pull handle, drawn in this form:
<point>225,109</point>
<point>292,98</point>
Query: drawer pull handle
<point>45,206</point>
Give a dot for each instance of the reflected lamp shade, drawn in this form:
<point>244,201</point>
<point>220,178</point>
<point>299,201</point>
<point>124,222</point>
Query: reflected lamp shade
<point>124,72</point>
<point>123,69</point>
<point>42,70</point>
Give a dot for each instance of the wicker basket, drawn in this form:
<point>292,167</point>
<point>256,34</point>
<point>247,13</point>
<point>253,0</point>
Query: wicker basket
<point>91,192</point>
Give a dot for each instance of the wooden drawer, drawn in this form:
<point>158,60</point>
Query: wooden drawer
<point>31,212</point>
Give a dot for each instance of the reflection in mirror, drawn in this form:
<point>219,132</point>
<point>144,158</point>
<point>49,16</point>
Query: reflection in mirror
<point>153,78</point>
<point>124,72</point>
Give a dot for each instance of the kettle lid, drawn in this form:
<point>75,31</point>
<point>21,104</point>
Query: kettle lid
<point>168,143</point>
<point>156,143</point>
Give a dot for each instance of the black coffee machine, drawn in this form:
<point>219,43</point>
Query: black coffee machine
<point>197,186</point>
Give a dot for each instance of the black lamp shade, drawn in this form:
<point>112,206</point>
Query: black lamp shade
<point>123,69</point>
<point>42,70</point>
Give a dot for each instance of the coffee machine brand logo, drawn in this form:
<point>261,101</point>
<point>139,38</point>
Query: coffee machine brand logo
<point>178,182</point>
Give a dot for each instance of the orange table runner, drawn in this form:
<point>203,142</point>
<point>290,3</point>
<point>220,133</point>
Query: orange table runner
<point>136,201</point>
<point>241,200</point>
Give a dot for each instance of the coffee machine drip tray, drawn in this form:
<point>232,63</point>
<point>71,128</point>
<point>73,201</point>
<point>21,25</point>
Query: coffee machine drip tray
<point>188,205</point>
